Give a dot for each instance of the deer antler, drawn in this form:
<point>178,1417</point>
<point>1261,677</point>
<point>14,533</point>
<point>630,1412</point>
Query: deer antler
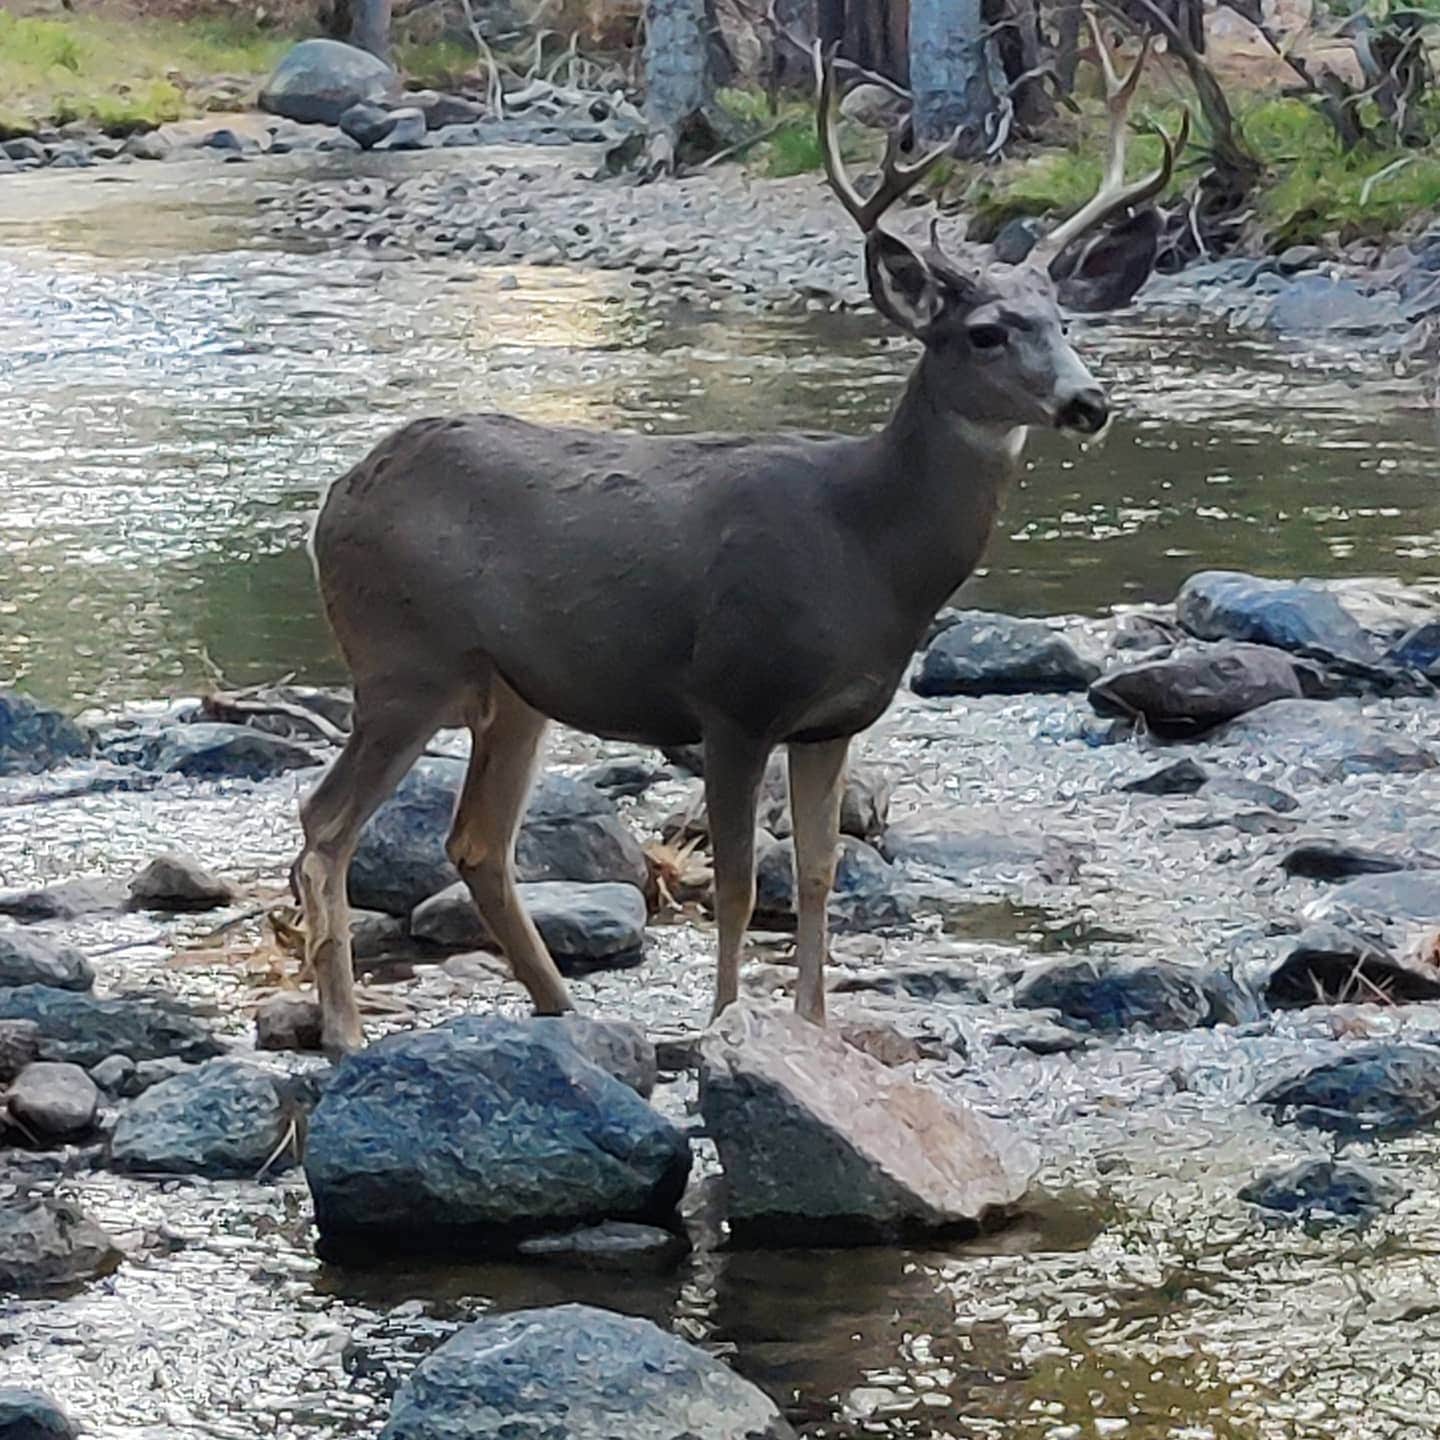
<point>1114,195</point>
<point>896,177</point>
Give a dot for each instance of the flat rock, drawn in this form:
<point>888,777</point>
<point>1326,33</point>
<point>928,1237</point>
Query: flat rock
<point>576,1373</point>
<point>211,751</point>
<point>67,900</point>
<point>984,654</point>
<point>823,1145</point>
<point>366,123</point>
<point>583,926</point>
<point>53,1100</point>
<point>1115,993</point>
<point>615,1245</point>
<point>1193,691</point>
<point>1375,901</point>
<point>178,882</point>
<point>441,109</point>
<point>866,896</point>
<point>1385,1087</point>
<point>288,1022</point>
<point>1180,777</point>
<point>318,80</point>
<point>1323,1192</point>
<point>1329,965</point>
<point>28,959</point>
<point>1331,737</point>
<point>933,980</point>
<point>27,1414</point>
<point>478,1133</point>
<point>81,1029</point>
<point>48,1244</point>
<point>571,831</point>
<point>965,845</point>
<point>224,1119</point>
<point>1325,859</point>
<point>34,737</point>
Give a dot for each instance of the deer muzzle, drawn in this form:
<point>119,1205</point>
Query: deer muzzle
<point>1086,412</point>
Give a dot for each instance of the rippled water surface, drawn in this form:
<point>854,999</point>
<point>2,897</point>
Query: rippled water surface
<point>174,394</point>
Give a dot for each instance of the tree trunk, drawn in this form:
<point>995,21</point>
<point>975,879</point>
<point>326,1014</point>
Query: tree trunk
<point>676,61</point>
<point>370,27</point>
<point>949,71</point>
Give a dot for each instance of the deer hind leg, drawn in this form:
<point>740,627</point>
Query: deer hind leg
<point>385,742</point>
<point>734,769</point>
<point>504,752</point>
<point>817,783</point>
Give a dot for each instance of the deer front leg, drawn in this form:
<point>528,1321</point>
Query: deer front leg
<point>817,784</point>
<point>734,769</point>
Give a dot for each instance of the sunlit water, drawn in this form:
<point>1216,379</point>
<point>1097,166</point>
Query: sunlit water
<point>174,396</point>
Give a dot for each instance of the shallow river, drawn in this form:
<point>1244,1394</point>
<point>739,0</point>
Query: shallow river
<point>174,393</point>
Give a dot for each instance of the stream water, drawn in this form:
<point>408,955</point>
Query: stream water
<point>174,393</point>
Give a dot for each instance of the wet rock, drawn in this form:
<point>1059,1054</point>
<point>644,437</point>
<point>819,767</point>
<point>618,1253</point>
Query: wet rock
<point>1389,1087</point>
<point>615,1245</point>
<point>571,832</point>
<point>48,1244</point>
<point>69,900</point>
<point>318,80</point>
<point>963,845</point>
<point>1195,690</point>
<point>53,1101</point>
<point>576,1373</point>
<point>618,1047</point>
<point>150,145</point>
<point>1329,965</point>
<point>1323,1191</point>
<point>822,1144</point>
<point>223,1119</point>
<point>1287,614</point>
<point>407,132</point>
<point>583,926</point>
<point>1419,649</point>
<point>366,123</point>
<point>1112,994</point>
<point>865,895</point>
<point>27,959</point>
<point>32,1415</point>
<point>479,1132</point>
<point>212,752</point>
<point>177,882</point>
<point>1378,900</point>
<point>1334,860</point>
<point>1330,737</point>
<point>288,1022</point>
<point>19,1047</point>
<point>83,1030</point>
<point>1041,1035</point>
<point>33,737</point>
<point>985,654</point>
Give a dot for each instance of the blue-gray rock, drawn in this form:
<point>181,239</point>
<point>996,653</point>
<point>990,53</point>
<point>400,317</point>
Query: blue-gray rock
<point>27,1414</point>
<point>822,1144</point>
<point>406,133</point>
<point>208,751</point>
<point>867,894</point>
<point>1249,792</point>
<point>224,1119</point>
<point>576,1373</point>
<point>442,110</point>
<point>148,145</point>
<point>1181,777</point>
<point>114,1075</point>
<point>1419,649</point>
<point>1330,737</point>
<point>571,831</point>
<point>50,1245</point>
<point>585,927</point>
<point>33,737</point>
<point>615,1245</point>
<point>1374,901</point>
<point>1287,614</point>
<point>618,1047</point>
<point>479,1132</point>
<point>67,900</point>
<point>985,654</point>
<point>1325,859</point>
<point>1323,1192</point>
<point>54,1101</point>
<point>1329,965</point>
<point>1321,305</point>
<point>1386,1087</point>
<point>19,1047</point>
<point>83,1030</point>
<point>1185,777</point>
<point>318,80</point>
<point>366,123</point>
<point>1112,994</point>
<point>624,777</point>
<point>937,980</point>
<point>964,845</point>
<point>28,959</point>
<point>174,882</point>
<point>1192,691</point>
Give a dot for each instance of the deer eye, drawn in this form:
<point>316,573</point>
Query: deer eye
<point>988,337</point>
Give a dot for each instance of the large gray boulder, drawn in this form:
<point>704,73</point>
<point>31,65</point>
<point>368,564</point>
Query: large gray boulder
<point>29,959</point>
<point>479,1132</point>
<point>823,1145</point>
<point>33,737</point>
<point>319,80</point>
<point>49,1244</point>
<point>577,1373</point>
<point>984,654</point>
<point>85,1030</point>
<point>54,1101</point>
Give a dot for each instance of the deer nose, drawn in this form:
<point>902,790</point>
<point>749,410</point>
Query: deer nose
<point>1085,411</point>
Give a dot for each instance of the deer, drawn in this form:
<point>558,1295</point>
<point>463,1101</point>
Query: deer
<point>732,592</point>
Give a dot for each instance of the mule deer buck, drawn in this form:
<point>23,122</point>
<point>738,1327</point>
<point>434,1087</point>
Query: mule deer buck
<point>735,591</point>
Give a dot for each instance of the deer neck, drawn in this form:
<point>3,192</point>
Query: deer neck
<point>944,477</point>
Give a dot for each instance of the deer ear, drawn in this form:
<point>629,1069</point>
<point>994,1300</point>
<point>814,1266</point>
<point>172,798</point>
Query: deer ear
<point>902,285</point>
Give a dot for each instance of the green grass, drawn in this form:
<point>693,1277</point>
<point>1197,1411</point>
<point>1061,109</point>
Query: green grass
<point>121,75</point>
<point>792,149</point>
<point>435,64</point>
